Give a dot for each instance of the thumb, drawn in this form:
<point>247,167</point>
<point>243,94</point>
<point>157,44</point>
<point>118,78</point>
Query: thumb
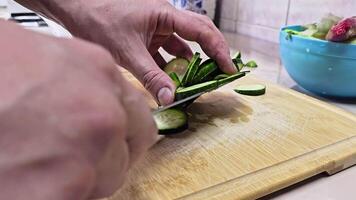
<point>156,81</point>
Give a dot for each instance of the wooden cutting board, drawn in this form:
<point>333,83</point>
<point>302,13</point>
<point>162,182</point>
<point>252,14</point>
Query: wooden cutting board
<point>241,147</point>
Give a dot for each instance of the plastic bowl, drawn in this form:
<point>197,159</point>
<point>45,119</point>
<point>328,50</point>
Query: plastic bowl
<point>322,67</point>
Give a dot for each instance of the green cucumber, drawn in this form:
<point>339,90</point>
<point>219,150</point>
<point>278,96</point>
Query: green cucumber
<point>237,55</point>
<point>230,79</point>
<point>193,68</point>
<point>251,64</point>
<point>175,79</point>
<point>178,66</point>
<point>221,76</point>
<point>238,64</point>
<point>182,93</point>
<point>171,121</point>
<point>206,70</point>
<point>251,90</point>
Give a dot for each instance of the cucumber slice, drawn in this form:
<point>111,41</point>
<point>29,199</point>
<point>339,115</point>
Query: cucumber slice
<point>237,55</point>
<point>175,79</point>
<point>182,93</point>
<point>207,70</point>
<point>171,121</point>
<point>238,64</point>
<point>193,68</point>
<point>221,76</point>
<point>230,79</point>
<point>251,64</point>
<point>177,65</point>
<point>251,90</point>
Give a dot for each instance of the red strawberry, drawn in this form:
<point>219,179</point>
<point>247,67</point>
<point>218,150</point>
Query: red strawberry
<point>342,31</point>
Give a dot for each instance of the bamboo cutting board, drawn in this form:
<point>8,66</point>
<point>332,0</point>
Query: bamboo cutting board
<point>240,147</point>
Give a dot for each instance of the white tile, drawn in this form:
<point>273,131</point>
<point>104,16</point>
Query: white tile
<point>258,31</point>
<point>272,13</point>
<point>308,11</point>
<point>228,9</point>
<point>228,25</point>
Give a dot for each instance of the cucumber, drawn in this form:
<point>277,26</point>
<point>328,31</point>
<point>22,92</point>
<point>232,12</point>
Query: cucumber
<point>206,70</point>
<point>178,66</point>
<point>251,90</point>
<point>251,64</point>
<point>182,93</point>
<point>238,64</point>
<point>221,76</point>
<point>237,55</point>
<point>230,79</point>
<point>171,121</point>
<point>193,68</point>
<point>175,79</point>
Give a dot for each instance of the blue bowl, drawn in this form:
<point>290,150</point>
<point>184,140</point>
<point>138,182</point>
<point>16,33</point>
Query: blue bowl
<point>322,67</point>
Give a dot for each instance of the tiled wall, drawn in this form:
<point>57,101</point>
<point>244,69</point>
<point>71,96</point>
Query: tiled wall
<point>262,19</point>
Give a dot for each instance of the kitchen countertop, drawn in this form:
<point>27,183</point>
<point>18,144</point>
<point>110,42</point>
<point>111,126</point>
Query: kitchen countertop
<point>338,186</point>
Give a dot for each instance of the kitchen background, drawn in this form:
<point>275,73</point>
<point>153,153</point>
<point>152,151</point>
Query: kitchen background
<point>263,19</point>
<point>252,27</point>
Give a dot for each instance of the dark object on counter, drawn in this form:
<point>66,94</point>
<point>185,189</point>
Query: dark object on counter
<point>28,19</point>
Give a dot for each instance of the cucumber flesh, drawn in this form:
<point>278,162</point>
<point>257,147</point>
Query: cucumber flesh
<point>251,64</point>
<point>230,79</point>
<point>171,121</point>
<point>178,66</point>
<point>221,76</point>
<point>175,79</point>
<point>193,68</point>
<point>182,93</point>
<point>251,90</point>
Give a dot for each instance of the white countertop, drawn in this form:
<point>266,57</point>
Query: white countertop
<point>338,186</point>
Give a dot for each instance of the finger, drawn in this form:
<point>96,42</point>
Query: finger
<point>160,61</point>
<point>195,27</point>
<point>145,69</point>
<point>178,47</point>
<point>142,131</point>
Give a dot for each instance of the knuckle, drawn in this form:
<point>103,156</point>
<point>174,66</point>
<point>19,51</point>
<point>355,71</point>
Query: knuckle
<point>152,78</point>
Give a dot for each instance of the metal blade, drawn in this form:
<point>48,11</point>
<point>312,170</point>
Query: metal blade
<point>177,103</point>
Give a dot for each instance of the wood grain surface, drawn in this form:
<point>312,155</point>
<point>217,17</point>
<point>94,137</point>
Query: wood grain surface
<point>241,147</point>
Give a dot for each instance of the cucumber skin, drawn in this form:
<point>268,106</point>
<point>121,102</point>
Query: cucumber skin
<point>183,93</point>
<point>173,131</point>
<point>193,67</point>
<point>230,79</point>
<point>207,70</point>
<point>175,79</point>
<point>251,92</point>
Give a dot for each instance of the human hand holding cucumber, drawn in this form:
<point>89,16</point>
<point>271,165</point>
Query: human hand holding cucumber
<point>134,30</point>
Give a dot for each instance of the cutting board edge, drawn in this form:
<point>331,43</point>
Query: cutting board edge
<point>331,159</point>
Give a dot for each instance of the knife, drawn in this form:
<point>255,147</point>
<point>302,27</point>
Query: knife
<point>180,102</point>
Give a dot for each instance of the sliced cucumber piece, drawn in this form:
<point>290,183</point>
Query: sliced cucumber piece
<point>175,79</point>
<point>221,76</point>
<point>230,79</point>
<point>193,68</point>
<point>237,55</point>
<point>206,70</point>
<point>251,90</point>
<point>238,64</point>
<point>251,64</point>
<point>182,93</point>
<point>178,66</point>
<point>171,121</point>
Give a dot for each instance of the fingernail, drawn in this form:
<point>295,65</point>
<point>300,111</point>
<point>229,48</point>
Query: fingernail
<point>165,96</point>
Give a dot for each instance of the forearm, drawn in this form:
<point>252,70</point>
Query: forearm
<point>61,11</point>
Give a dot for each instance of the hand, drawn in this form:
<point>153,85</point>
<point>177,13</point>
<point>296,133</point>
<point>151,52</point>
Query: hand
<point>134,30</point>
<point>71,126</point>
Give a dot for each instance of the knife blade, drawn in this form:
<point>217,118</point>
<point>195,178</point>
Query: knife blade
<point>180,102</point>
